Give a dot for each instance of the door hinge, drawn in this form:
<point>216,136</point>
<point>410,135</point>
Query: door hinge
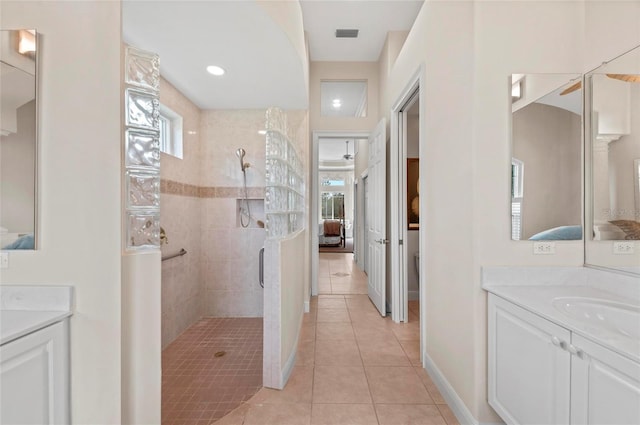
<point>400,242</point>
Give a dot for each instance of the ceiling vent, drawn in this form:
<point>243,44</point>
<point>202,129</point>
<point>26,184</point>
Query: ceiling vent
<point>345,33</point>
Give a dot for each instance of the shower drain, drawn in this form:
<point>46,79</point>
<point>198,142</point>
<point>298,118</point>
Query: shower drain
<point>220,354</point>
<point>340,274</point>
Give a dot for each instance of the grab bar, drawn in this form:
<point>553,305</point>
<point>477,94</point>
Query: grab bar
<point>178,254</point>
<point>261,267</point>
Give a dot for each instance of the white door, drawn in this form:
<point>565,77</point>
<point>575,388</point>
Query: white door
<point>605,386</point>
<point>376,223</point>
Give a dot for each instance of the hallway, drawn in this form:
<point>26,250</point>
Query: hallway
<point>353,366</point>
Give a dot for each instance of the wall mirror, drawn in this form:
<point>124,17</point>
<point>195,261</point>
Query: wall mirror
<point>612,129</point>
<point>18,139</point>
<point>546,165</point>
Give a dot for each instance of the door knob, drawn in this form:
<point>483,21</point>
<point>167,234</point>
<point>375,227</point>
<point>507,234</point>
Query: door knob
<point>382,241</point>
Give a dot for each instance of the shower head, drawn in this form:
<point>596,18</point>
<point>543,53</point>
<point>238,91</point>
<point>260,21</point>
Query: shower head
<point>240,154</point>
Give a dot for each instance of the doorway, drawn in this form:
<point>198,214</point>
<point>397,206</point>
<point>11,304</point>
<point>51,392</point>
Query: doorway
<point>408,256</point>
<point>337,158</point>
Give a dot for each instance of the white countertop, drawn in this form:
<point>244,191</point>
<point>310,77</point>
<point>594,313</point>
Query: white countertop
<point>17,323</point>
<point>538,299</point>
<point>25,309</point>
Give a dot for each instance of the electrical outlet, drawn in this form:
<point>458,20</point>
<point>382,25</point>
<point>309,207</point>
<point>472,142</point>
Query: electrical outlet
<point>623,247</point>
<point>544,248</point>
<point>4,260</point>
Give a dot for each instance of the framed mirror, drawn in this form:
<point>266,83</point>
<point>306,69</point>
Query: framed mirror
<point>612,130</point>
<point>546,164</point>
<point>18,139</point>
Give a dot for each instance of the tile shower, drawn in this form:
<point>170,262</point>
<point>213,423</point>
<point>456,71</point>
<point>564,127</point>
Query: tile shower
<point>199,212</point>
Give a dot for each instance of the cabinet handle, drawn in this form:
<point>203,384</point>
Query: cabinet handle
<point>557,342</point>
<point>574,350</point>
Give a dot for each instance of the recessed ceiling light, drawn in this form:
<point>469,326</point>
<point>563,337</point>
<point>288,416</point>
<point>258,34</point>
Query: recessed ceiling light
<point>192,132</point>
<point>263,132</point>
<point>337,103</point>
<point>215,70</point>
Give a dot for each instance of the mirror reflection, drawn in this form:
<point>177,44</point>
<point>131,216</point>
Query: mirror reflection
<point>18,139</point>
<point>546,165</point>
<point>343,98</point>
<point>615,138</point>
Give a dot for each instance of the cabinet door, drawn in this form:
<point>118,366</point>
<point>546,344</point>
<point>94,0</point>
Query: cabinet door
<point>34,379</point>
<point>605,386</point>
<point>529,371</point>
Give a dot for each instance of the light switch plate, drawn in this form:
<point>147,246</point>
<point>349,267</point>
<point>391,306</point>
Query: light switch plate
<point>4,260</point>
<point>544,248</point>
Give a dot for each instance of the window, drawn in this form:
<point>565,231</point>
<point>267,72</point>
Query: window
<point>332,205</point>
<point>332,182</point>
<point>517,179</point>
<point>170,132</point>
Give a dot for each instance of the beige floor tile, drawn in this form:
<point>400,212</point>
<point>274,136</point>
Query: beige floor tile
<point>324,285</point>
<point>430,386</point>
<point>409,414</point>
<point>236,417</point>
<point>448,415</point>
<point>306,353</point>
<point>343,414</point>
<point>271,414</point>
<point>335,330</point>
<point>340,384</point>
<point>411,348</point>
<point>368,316</point>
<point>406,330</point>
<point>307,332</point>
<point>297,390</point>
<point>396,385</point>
<point>332,303</point>
<point>360,303</point>
<point>333,315</point>
<point>367,330</point>
<point>376,352</point>
<point>332,352</point>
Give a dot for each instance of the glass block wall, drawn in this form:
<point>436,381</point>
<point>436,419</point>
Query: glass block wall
<point>285,187</point>
<point>142,149</point>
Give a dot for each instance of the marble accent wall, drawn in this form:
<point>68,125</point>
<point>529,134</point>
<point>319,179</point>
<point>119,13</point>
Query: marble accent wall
<point>180,216</point>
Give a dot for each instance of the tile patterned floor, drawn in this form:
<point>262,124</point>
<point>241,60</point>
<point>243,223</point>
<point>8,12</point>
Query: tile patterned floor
<point>353,366</point>
<point>198,387</point>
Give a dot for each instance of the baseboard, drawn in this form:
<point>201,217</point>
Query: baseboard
<point>291,361</point>
<point>454,401</point>
<point>307,306</point>
<point>414,295</point>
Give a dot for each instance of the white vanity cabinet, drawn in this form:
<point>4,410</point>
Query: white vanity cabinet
<point>542,373</point>
<point>605,386</point>
<point>34,377</point>
<point>529,373</point>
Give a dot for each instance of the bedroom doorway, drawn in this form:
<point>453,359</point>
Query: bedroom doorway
<point>337,158</point>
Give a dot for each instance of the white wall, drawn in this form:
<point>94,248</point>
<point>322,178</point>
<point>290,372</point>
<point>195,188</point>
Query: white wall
<point>79,189</point>
<point>465,151</point>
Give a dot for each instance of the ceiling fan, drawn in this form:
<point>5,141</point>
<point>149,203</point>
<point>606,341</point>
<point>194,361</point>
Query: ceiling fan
<point>630,78</point>
<point>347,156</point>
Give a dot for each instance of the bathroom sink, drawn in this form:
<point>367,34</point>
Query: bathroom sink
<point>611,316</point>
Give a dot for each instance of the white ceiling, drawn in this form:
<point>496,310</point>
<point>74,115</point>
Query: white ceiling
<point>263,67</point>
<point>333,149</point>
<point>352,95</point>
<point>374,18</point>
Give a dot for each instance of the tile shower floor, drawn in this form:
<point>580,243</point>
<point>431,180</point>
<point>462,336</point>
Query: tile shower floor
<point>198,387</point>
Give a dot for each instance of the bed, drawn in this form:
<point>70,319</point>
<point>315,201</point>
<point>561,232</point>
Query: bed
<point>331,233</point>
